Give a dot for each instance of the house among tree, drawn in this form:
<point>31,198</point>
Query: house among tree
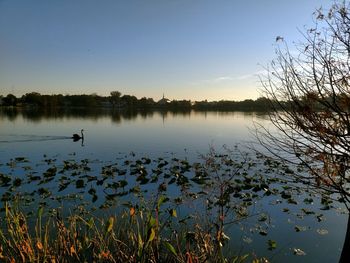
<point>163,101</point>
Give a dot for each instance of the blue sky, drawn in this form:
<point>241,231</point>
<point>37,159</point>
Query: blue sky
<point>186,49</point>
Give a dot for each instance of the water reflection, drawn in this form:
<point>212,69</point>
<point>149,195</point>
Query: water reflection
<point>117,116</point>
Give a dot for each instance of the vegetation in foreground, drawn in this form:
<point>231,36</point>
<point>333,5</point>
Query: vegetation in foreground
<point>142,209</point>
<point>134,236</point>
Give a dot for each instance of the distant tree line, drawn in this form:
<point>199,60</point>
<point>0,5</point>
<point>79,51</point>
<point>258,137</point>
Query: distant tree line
<point>118,101</point>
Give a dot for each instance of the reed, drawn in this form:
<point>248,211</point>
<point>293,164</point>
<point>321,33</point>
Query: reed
<point>135,235</point>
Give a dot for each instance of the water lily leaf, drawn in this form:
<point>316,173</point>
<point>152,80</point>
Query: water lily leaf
<point>80,183</point>
<point>263,232</point>
<point>325,200</point>
<point>298,252</point>
<point>308,201</point>
<point>17,182</point>
<point>162,164</point>
<point>326,207</point>
<point>44,192</point>
<point>172,180</point>
<point>286,195</point>
<point>146,160</point>
<point>91,178</point>
<point>121,172</point>
<point>161,200</point>
<point>292,201</point>
<point>63,186</point>
<point>157,171</point>
<point>142,179</point>
<point>263,217</point>
<point>247,186</point>
<point>4,180</point>
<point>322,231</point>
<point>247,240</point>
<point>199,180</point>
<point>135,189</point>
<point>307,211</point>
<point>86,168</point>
<point>100,182</point>
<point>33,178</point>
<point>173,212</point>
<point>319,217</point>
<point>257,188</point>
<point>178,200</point>
<point>27,168</point>
<point>300,228</point>
<point>267,193</point>
<point>51,172</point>
<point>272,244</point>
<point>110,197</point>
<point>92,191</point>
<point>154,179</point>
<point>21,159</point>
<point>122,183</point>
<point>122,193</point>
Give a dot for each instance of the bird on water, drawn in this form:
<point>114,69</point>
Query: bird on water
<point>77,137</point>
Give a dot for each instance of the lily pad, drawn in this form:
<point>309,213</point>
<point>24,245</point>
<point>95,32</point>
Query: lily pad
<point>322,231</point>
<point>272,244</point>
<point>298,252</point>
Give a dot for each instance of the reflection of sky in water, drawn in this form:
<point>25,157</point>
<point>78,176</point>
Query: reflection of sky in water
<point>152,135</point>
<point>108,137</point>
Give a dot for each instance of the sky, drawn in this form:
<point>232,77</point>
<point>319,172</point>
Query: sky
<point>184,49</point>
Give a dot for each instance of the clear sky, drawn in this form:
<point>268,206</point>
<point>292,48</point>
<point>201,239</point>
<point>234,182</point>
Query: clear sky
<point>186,49</point>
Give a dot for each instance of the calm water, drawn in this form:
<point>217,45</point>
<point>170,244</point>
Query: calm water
<point>106,134</point>
<point>184,135</point>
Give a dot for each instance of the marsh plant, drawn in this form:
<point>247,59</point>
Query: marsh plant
<point>138,209</point>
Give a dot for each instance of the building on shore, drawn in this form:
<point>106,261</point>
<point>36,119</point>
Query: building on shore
<point>163,101</point>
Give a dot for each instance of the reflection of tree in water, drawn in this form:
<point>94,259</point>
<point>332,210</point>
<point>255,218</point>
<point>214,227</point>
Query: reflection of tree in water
<point>116,117</point>
<point>10,113</point>
<point>181,112</point>
<point>146,114</point>
<point>39,114</point>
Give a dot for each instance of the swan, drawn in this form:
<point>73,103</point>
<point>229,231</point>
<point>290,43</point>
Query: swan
<point>77,137</point>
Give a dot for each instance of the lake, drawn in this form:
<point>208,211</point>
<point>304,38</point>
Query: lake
<point>112,137</point>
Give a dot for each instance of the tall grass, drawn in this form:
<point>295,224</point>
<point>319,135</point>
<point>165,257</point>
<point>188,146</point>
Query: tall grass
<point>135,235</point>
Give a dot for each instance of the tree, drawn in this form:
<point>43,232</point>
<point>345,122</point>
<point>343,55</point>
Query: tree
<point>129,100</point>
<point>309,94</point>
<point>10,100</point>
<point>115,97</point>
<point>33,98</point>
